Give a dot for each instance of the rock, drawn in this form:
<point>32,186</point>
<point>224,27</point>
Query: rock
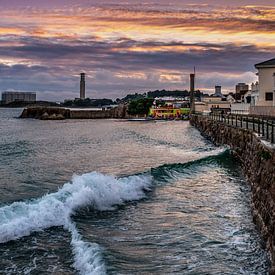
<point>44,116</point>
<point>52,117</point>
<point>60,117</point>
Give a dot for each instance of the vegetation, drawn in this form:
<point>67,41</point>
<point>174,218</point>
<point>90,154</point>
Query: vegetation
<point>130,97</point>
<point>87,102</point>
<point>163,93</point>
<point>265,155</point>
<point>140,106</point>
<point>157,93</point>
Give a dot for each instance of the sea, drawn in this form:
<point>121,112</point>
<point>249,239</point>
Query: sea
<point>122,197</point>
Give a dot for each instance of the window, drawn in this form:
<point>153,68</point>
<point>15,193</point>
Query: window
<point>269,96</point>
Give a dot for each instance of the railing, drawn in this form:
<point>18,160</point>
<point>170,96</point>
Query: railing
<point>262,110</point>
<point>263,126</point>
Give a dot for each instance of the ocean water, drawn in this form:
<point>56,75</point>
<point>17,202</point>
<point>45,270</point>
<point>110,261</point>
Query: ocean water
<point>121,197</point>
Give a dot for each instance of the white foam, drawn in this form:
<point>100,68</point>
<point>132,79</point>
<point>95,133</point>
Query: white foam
<point>93,189</point>
<point>87,256</point>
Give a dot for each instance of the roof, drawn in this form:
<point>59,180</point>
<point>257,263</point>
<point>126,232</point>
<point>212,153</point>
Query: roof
<point>268,63</point>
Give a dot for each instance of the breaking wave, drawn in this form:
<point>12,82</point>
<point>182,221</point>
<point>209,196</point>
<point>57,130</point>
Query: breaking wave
<point>93,189</point>
<point>101,192</point>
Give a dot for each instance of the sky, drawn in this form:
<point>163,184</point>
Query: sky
<point>131,46</point>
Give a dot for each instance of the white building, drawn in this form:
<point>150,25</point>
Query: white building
<point>265,103</point>
<point>266,74</point>
<point>8,97</point>
<point>254,93</point>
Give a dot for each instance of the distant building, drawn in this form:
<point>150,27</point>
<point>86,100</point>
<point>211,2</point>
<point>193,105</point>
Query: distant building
<point>214,103</point>
<point>218,91</point>
<point>241,88</point>
<point>8,97</point>
<point>82,86</point>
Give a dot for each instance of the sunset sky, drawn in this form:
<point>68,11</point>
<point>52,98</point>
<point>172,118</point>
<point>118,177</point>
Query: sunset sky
<point>131,46</point>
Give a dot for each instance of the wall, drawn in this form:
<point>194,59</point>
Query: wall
<point>262,110</point>
<point>258,162</point>
<point>52,113</point>
<point>240,108</point>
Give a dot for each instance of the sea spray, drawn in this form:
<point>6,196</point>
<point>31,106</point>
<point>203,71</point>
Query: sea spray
<point>87,256</point>
<point>93,189</point>
<point>99,191</point>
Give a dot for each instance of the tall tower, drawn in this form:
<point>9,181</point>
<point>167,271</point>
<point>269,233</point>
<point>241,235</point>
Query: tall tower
<point>192,90</point>
<point>82,86</point>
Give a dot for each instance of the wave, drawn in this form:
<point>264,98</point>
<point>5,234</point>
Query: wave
<point>87,256</point>
<point>101,192</point>
<point>93,189</point>
<point>170,172</point>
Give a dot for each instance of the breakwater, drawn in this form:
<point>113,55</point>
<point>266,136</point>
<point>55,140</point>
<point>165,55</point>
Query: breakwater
<point>58,113</point>
<point>258,161</point>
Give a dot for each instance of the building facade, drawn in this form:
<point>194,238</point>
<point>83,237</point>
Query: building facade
<point>241,87</point>
<point>266,86</point>
<point>8,97</point>
<point>254,93</point>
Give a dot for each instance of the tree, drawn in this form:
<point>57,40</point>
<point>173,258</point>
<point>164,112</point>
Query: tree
<point>140,106</point>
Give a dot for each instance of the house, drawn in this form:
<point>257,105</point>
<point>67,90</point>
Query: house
<point>265,104</point>
<point>266,74</point>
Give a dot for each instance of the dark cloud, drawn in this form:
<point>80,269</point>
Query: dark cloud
<point>121,55</point>
<point>105,62</point>
<point>48,56</point>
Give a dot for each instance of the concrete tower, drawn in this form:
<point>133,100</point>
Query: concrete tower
<point>192,90</point>
<point>82,86</point>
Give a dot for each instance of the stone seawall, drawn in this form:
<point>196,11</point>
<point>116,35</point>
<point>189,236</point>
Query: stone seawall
<point>56,113</point>
<point>258,161</point>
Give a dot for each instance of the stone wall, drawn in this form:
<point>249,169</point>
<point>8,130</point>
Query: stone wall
<point>53,113</point>
<point>258,161</point>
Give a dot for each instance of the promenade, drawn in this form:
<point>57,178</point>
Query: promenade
<point>264,126</point>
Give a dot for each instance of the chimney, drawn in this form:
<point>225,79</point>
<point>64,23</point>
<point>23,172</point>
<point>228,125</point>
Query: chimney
<point>192,89</point>
<point>82,86</point>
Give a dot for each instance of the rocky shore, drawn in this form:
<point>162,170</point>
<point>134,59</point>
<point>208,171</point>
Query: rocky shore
<point>258,161</point>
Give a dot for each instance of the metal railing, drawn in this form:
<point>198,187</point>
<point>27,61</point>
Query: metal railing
<point>263,126</point>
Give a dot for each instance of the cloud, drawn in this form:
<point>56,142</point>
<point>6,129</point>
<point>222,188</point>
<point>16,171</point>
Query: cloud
<point>128,47</point>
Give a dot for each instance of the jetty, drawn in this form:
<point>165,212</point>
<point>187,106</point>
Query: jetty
<point>60,113</point>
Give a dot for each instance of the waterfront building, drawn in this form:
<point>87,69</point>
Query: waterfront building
<point>265,100</point>
<point>213,103</point>
<point>266,74</point>
<point>8,97</point>
<point>168,112</point>
<point>169,107</point>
